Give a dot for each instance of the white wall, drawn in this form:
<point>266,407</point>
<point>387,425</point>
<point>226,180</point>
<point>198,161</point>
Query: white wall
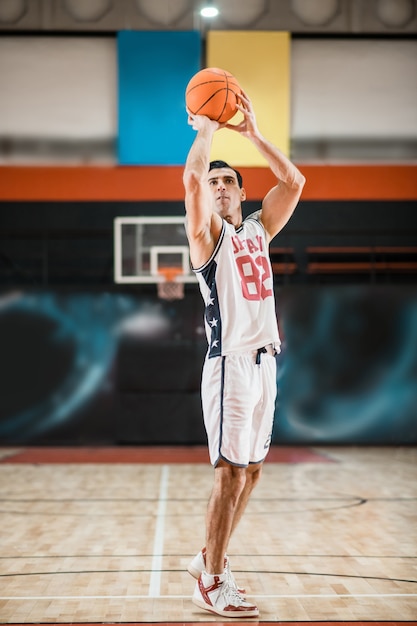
<point>58,87</point>
<point>354,88</point>
<point>65,88</point>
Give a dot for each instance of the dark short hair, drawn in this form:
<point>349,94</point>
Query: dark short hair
<point>215,165</point>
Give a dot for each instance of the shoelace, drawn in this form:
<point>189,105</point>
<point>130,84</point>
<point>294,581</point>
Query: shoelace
<point>230,594</point>
<point>231,579</point>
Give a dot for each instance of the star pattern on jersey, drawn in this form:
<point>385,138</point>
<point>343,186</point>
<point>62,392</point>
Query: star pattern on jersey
<point>213,318</point>
<point>214,322</point>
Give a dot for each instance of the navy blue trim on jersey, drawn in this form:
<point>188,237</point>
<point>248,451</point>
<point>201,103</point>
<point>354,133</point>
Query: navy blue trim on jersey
<point>259,462</point>
<point>223,458</point>
<point>221,405</point>
<point>212,311</point>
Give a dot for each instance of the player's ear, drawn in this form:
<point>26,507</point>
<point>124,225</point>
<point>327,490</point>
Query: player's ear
<point>242,194</point>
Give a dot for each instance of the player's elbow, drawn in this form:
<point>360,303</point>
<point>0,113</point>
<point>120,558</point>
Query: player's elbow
<point>299,181</point>
<point>294,181</point>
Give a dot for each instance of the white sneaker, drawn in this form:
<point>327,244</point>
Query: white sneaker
<point>231,579</point>
<point>221,598</point>
<point>198,564</point>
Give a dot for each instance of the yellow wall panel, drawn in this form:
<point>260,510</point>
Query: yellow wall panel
<point>260,60</point>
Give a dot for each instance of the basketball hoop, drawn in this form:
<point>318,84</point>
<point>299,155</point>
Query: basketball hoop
<point>169,288</point>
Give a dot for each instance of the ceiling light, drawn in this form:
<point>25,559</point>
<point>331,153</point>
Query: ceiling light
<point>209,10</point>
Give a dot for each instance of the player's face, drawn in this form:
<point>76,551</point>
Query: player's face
<point>227,195</point>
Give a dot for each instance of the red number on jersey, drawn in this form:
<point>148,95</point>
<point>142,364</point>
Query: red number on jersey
<point>253,274</point>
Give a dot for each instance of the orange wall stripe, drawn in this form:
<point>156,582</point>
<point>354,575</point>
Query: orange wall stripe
<point>145,183</point>
<point>91,183</point>
<point>360,182</point>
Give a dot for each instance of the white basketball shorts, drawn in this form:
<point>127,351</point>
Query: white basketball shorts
<point>238,394</point>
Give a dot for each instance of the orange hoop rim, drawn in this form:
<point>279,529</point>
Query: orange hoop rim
<point>169,274</point>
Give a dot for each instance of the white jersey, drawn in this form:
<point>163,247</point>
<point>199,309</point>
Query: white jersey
<point>236,284</point>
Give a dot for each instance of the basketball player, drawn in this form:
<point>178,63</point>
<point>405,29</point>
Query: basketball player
<point>230,259</point>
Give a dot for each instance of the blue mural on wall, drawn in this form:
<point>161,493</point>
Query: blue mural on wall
<point>347,372</point>
<point>58,350</point>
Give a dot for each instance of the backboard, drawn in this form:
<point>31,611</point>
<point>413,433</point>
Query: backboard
<point>145,246</point>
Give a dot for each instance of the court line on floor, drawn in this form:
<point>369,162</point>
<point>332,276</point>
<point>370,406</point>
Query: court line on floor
<point>299,596</point>
<point>158,543</point>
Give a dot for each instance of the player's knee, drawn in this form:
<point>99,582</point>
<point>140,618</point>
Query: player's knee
<point>231,478</point>
<point>253,473</point>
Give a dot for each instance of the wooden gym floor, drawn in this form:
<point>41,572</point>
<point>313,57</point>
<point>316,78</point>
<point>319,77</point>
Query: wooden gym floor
<point>103,535</point>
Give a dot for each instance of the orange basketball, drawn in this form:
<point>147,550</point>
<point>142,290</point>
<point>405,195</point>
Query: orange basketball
<point>212,92</point>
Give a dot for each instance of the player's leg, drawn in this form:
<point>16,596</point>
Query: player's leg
<point>216,589</point>
<point>227,421</point>
<point>226,496</point>
<point>239,392</point>
<point>252,476</point>
<point>262,422</point>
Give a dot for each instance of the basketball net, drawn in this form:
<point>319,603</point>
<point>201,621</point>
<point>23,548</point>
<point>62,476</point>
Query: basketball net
<point>169,288</point>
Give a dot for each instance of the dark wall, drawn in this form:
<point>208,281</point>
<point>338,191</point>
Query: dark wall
<point>60,244</point>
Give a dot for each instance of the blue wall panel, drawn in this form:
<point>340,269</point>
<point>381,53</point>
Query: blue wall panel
<point>154,69</point>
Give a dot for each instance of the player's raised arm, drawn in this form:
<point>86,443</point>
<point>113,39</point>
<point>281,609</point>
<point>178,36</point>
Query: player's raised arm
<point>280,202</point>
<point>201,230</point>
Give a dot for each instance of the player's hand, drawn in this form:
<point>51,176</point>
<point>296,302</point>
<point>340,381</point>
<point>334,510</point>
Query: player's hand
<point>201,122</point>
<point>248,125</point>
